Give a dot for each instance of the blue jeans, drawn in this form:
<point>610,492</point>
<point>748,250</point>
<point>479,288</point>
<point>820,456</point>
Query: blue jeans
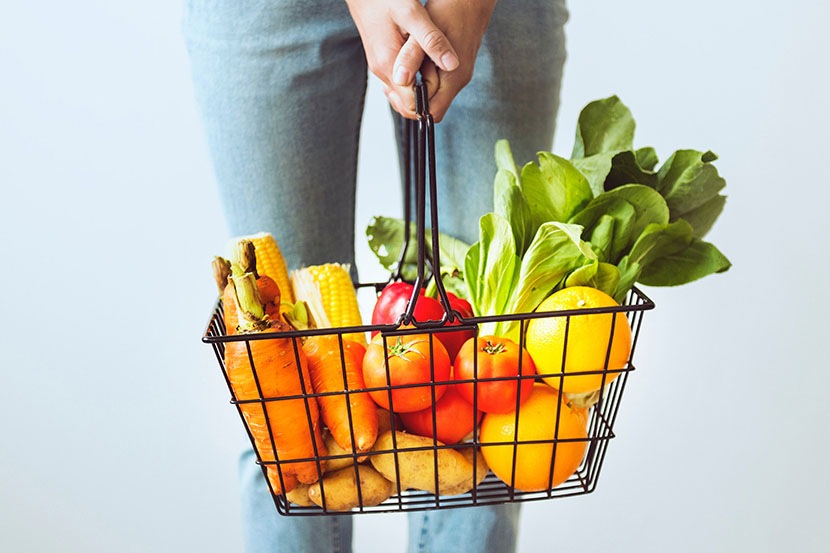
<point>280,86</point>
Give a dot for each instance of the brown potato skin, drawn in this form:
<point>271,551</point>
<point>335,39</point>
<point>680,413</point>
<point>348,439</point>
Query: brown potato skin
<point>333,465</point>
<point>341,489</point>
<point>417,468</point>
<point>299,496</point>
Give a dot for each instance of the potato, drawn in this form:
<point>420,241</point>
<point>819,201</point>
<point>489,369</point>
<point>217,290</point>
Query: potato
<point>341,489</point>
<point>417,468</point>
<point>384,422</point>
<point>299,496</point>
<point>333,465</point>
<point>481,471</point>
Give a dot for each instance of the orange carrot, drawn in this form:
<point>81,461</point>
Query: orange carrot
<point>269,292</point>
<point>326,367</point>
<point>279,375</point>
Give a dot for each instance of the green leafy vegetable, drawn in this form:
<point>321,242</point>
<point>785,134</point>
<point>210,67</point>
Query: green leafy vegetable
<point>603,126</point>
<point>703,217</point>
<point>624,216</point>
<point>626,169</point>
<point>554,189</point>
<point>511,204</point>
<point>491,265</point>
<point>597,274</point>
<point>606,218</point>
<point>595,168</point>
<point>386,236</point>
<point>688,180</point>
<point>504,158</point>
<point>556,250</point>
<point>695,261</point>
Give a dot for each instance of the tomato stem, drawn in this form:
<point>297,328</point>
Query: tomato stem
<point>399,349</point>
<point>492,349</point>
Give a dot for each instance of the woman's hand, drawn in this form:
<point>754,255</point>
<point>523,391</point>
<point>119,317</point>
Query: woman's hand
<point>464,23</point>
<point>384,27</point>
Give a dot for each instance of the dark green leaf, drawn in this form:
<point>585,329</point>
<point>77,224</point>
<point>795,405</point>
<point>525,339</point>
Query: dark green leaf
<point>603,126</point>
<point>695,261</point>
<point>386,236</point>
<point>596,274</point>
<point>629,273</point>
<point>624,216</point>
<point>703,217</point>
<point>658,241</point>
<point>554,189</point>
<point>626,169</point>
<point>649,206</point>
<point>647,158</point>
<point>595,168</point>
<point>688,180</point>
<point>601,236</point>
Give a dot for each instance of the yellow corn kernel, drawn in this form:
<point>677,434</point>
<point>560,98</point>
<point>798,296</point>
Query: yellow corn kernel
<point>269,262</point>
<point>336,296</point>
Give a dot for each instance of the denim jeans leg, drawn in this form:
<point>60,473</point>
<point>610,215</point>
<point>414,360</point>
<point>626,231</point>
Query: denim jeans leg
<point>266,531</point>
<point>485,529</point>
<point>280,89</point>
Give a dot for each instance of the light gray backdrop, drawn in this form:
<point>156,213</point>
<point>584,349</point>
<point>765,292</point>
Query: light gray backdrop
<point>116,431</point>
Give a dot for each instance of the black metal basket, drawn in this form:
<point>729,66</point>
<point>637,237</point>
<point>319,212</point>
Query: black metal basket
<point>491,490</point>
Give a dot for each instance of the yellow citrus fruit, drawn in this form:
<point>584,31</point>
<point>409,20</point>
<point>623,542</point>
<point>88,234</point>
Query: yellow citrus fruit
<point>587,340</point>
<point>537,421</point>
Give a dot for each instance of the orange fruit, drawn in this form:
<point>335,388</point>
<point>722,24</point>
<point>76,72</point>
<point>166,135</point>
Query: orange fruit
<point>537,421</point>
<point>588,337</point>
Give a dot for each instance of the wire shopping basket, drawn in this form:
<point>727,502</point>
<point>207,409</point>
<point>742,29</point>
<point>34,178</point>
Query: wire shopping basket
<point>544,448</point>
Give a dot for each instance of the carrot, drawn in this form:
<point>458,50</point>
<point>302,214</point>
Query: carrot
<point>269,292</point>
<point>326,367</point>
<point>279,364</point>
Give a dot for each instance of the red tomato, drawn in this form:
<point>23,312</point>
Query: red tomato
<point>409,363</point>
<point>453,418</point>
<point>392,303</point>
<point>497,357</point>
<point>454,340</point>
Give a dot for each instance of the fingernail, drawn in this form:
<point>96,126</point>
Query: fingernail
<point>401,76</point>
<point>449,61</point>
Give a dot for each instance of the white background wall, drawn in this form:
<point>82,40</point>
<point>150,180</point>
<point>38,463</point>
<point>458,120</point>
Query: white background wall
<point>116,431</point>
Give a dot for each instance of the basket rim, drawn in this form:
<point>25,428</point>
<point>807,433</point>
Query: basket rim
<point>644,303</point>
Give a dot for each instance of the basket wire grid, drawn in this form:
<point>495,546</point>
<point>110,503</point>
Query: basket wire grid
<point>491,490</point>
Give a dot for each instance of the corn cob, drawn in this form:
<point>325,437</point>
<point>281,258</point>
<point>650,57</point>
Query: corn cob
<point>269,262</point>
<point>330,295</point>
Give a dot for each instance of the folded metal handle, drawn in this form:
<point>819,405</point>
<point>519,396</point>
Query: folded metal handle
<point>419,158</point>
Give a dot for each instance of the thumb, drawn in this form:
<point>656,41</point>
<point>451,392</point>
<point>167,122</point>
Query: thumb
<point>407,63</point>
<point>432,41</point>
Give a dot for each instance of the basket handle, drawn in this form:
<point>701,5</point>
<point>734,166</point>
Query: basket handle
<point>419,156</point>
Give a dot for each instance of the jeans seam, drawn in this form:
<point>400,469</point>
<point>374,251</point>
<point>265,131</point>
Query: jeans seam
<point>422,542</point>
<point>335,535</point>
